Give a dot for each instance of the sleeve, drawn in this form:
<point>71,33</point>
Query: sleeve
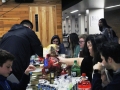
<point>97,82</point>
<point>87,67</point>
<point>22,85</point>
<point>35,43</point>
<point>61,49</point>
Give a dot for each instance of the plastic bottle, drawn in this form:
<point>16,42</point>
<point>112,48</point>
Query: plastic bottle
<point>75,69</point>
<point>84,83</point>
<point>32,58</point>
<point>63,71</point>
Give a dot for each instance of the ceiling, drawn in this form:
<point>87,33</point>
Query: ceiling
<point>68,3</point>
<point>83,5</point>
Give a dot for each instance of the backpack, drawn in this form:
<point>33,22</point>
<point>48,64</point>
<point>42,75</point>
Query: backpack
<point>110,35</point>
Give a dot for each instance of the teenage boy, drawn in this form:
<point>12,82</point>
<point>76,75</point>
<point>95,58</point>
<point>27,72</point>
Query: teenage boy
<point>6,60</point>
<point>110,55</point>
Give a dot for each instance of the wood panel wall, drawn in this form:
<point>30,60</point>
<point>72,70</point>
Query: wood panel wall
<point>46,22</point>
<point>13,13</point>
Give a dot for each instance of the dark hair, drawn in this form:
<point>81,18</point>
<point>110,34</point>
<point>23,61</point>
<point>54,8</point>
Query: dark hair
<point>55,37</point>
<point>110,49</point>
<point>27,22</point>
<point>5,56</point>
<point>96,40</point>
<point>104,24</point>
<point>73,40</point>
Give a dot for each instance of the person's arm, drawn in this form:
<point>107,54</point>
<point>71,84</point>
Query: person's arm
<point>70,61</point>
<point>24,81</point>
<point>97,81</point>
<point>35,43</point>
<point>87,67</point>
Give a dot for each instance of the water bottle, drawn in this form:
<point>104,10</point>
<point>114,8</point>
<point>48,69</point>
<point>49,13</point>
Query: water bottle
<point>32,58</point>
<point>75,69</point>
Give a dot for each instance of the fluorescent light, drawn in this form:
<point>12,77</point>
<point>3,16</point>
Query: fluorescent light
<point>67,17</point>
<point>79,14</point>
<point>74,11</point>
<point>3,1</point>
<point>112,6</point>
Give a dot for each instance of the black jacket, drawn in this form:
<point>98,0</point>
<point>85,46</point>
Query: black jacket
<point>22,42</point>
<point>113,85</point>
<point>87,67</point>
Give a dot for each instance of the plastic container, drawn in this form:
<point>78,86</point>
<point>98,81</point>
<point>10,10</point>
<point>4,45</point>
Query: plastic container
<point>84,83</point>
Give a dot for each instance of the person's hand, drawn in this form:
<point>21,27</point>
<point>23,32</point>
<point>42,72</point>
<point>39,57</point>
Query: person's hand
<point>29,69</point>
<point>61,59</point>
<point>104,79</point>
<point>98,66</point>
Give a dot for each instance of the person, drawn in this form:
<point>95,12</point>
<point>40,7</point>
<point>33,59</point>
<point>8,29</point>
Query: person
<point>6,60</point>
<point>107,31</point>
<point>82,39</point>
<point>79,58</point>
<point>91,55</point>
<point>74,45</point>
<point>56,40</point>
<point>110,55</point>
<point>22,42</point>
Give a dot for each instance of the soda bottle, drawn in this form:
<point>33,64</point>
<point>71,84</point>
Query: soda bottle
<point>75,69</point>
<point>64,71</point>
<point>84,83</point>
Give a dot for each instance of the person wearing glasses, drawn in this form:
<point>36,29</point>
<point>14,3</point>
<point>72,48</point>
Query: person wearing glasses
<point>82,39</point>
<point>78,43</point>
<point>56,40</point>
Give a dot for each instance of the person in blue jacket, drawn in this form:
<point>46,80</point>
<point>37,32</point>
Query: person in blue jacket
<point>110,55</point>
<point>22,42</point>
<point>6,60</point>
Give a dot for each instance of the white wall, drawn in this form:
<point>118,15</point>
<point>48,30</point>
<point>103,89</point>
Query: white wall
<point>93,18</point>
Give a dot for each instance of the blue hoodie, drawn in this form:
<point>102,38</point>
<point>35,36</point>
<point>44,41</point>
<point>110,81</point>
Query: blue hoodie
<point>7,85</point>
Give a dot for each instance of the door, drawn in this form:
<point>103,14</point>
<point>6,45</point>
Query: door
<point>44,22</point>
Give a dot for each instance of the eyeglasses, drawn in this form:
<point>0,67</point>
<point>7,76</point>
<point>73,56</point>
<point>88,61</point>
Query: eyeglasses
<point>55,41</point>
<point>81,41</point>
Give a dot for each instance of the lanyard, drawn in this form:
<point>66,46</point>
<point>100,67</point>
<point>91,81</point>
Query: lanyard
<point>7,85</point>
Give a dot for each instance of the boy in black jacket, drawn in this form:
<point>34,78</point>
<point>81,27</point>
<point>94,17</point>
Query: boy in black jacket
<point>110,55</point>
<point>6,60</point>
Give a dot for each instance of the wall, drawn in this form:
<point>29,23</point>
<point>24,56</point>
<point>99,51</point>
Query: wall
<point>113,19</point>
<point>12,13</point>
<point>71,24</point>
<point>92,21</point>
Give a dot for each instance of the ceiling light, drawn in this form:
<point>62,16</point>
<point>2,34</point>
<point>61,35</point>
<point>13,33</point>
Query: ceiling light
<point>79,14</point>
<point>74,11</point>
<point>67,17</point>
<point>3,1</point>
<point>112,6</point>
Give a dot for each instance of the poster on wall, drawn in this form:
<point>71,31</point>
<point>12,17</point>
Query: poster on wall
<point>94,20</point>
